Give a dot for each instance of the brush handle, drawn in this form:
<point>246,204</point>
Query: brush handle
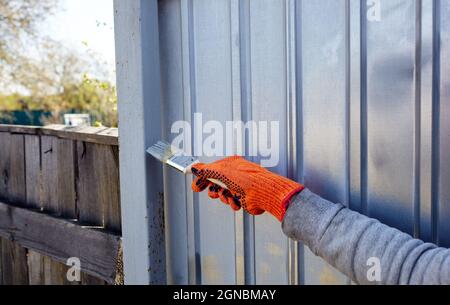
<point>219,183</point>
<point>188,170</point>
<point>222,185</point>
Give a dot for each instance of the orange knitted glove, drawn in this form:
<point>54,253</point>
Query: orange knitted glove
<point>250,186</point>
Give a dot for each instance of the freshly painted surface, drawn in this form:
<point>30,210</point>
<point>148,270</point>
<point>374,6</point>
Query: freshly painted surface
<point>137,51</point>
<point>361,93</point>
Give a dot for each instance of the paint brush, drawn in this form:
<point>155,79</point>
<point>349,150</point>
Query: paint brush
<point>177,159</point>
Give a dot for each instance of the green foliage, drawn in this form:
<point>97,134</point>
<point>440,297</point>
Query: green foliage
<point>53,78</point>
<point>16,102</point>
<point>18,23</point>
<point>90,95</point>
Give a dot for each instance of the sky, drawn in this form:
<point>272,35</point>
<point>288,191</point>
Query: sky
<point>82,24</point>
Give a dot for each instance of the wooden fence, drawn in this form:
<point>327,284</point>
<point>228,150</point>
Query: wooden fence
<point>59,198</point>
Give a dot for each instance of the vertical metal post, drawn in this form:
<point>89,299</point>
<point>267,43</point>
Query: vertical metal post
<point>139,96</point>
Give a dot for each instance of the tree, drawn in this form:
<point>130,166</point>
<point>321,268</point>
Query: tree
<point>38,73</point>
<point>18,22</point>
<point>52,68</point>
<point>61,83</point>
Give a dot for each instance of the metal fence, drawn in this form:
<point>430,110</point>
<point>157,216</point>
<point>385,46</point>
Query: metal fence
<point>361,91</point>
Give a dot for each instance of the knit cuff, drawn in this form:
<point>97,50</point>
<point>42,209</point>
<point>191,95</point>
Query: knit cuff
<point>276,193</point>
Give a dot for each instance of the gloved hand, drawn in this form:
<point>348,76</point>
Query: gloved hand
<point>250,186</point>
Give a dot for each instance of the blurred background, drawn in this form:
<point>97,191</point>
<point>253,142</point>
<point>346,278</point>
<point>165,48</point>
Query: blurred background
<point>57,62</point>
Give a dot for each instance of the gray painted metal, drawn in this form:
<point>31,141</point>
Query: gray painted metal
<point>364,111</point>
<point>137,52</point>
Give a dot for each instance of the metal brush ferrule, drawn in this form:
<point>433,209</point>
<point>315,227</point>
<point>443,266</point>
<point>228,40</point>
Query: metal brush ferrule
<point>182,163</point>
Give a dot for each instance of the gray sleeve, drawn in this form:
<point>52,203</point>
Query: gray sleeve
<point>355,244</point>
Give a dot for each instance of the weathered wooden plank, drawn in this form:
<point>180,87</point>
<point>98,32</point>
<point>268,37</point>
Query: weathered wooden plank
<point>13,189</point>
<point>55,272</point>
<point>107,174</point>
<point>107,157</point>
<point>12,168</point>
<point>98,135</point>
<point>5,139</point>
<point>90,209</point>
<point>14,263</point>
<point>35,268</point>
<point>48,194</point>
<point>90,280</point>
<point>66,193</point>
<point>58,191</point>
<point>44,270</point>
<point>49,155</point>
<point>93,189</point>
<point>91,130</point>
<point>58,176</point>
<point>112,132</point>
<point>61,239</point>
<point>21,129</point>
<point>33,171</point>
<point>16,181</point>
<point>58,127</point>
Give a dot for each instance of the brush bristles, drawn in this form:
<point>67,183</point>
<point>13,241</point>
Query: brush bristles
<point>162,151</point>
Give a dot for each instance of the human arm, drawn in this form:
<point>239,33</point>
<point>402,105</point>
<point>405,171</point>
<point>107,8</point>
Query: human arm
<point>347,240</point>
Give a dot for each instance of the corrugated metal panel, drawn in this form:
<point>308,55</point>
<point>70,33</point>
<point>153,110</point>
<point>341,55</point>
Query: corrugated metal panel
<point>364,111</point>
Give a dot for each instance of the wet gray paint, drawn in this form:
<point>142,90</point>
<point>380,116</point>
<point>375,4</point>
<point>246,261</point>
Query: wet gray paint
<point>137,59</point>
<point>364,111</point>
